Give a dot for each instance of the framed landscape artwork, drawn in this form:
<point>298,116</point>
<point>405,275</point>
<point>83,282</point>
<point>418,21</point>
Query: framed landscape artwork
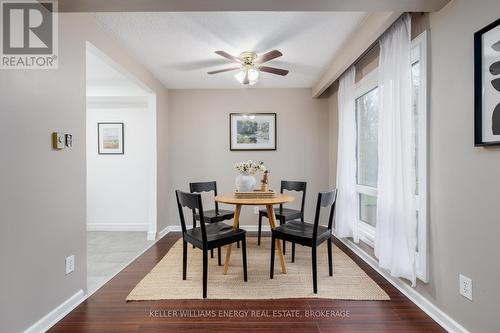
<point>110,138</point>
<point>252,131</point>
<point>487,85</point>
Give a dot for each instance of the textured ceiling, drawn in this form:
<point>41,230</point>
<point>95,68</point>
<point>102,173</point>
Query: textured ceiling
<point>178,48</point>
<point>252,5</point>
<point>105,80</point>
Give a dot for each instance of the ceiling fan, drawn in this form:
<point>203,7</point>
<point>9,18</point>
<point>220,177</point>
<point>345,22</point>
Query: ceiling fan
<point>250,64</point>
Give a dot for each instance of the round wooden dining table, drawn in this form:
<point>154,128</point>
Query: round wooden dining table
<point>269,203</point>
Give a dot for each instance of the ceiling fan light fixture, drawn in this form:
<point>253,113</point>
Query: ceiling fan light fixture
<point>250,66</point>
<point>240,76</point>
<point>247,75</point>
<point>253,75</point>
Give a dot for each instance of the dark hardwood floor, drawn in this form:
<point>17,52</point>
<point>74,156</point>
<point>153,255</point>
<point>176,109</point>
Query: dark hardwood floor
<point>107,311</point>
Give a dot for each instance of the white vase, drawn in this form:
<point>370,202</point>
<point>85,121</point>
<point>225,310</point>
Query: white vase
<point>245,183</point>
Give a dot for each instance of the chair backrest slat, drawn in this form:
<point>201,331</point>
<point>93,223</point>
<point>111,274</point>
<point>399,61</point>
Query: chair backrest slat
<point>192,201</point>
<point>200,187</point>
<point>325,199</point>
<point>294,186</point>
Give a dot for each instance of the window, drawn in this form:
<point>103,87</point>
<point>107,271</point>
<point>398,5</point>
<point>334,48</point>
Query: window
<point>367,155</point>
<point>419,108</point>
<point>367,114</point>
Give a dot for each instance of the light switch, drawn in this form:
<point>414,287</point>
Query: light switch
<point>58,140</point>
<point>69,140</point>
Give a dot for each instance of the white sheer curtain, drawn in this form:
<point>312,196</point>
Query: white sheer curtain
<point>346,206</point>
<point>396,237</point>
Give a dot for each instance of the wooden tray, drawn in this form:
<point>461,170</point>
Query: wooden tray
<point>255,195</point>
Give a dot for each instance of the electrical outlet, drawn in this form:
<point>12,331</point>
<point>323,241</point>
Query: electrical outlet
<point>465,286</point>
<point>256,210</point>
<point>70,264</point>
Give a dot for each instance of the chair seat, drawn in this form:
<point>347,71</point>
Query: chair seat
<point>211,216</point>
<point>287,213</point>
<point>218,234</point>
<point>301,232</point>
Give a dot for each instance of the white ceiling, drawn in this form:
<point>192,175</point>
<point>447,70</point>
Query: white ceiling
<point>105,78</point>
<point>246,5</point>
<point>178,48</point>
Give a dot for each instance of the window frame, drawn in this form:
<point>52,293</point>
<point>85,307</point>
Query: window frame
<point>419,53</point>
<point>366,231</point>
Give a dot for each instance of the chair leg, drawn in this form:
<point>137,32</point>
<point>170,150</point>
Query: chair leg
<point>244,255</point>
<point>314,270</point>
<point>205,273</point>
<point>212,253</point>
<point>282,221</point>
<point>238,243</point>
<point>184,259</point>
<point>219,256</point>
<point>194,226</point>
<point>273,249</point>
<point>260,229</point>
<point>330,261</point>
<point>293,244</point>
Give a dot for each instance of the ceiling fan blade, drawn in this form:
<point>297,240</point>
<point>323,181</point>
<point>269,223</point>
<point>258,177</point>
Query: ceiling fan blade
<point>273,70</point>
<point>228,56</point>
<point>268,56</point>
<point>223,70</point>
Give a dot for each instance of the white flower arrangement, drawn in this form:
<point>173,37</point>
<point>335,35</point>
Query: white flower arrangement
<point>250,167</point>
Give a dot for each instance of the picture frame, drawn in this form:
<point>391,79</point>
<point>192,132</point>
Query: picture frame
<point>110,138</point>
<point>487,85</point>
<point>252,131</point>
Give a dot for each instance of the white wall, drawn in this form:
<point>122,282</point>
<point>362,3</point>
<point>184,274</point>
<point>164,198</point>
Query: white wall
<point>118,192</point>
<point>199,140</point>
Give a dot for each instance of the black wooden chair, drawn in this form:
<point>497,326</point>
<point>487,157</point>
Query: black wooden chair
<point>206,237</point>
<point>307,234</point>
<point>286,214</point>
<point>213,215</point>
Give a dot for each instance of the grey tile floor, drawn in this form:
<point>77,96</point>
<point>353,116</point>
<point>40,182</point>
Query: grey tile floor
<point>108,252</point>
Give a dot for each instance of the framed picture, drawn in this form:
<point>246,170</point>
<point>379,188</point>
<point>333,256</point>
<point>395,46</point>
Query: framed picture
<point>487,85</point>
<point>110,138</point>
<point>252,131</point>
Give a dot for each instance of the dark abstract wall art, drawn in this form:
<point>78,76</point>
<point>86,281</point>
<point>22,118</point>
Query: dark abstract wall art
<point>487,85</point>
<point>495,68</point>
<point>496,84</point>
<point>496,46</point>
<point>495,122</point>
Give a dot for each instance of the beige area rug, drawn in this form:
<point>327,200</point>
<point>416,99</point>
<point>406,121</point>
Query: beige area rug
<point>349,281</point>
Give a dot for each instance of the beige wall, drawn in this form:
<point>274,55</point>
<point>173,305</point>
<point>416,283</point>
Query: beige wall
<point>464,181</point>
<point>199,140</point>
<point>333,125</point>
<point>42,192</point>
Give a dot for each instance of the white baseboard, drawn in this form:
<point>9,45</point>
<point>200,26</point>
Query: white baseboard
<point>163,232</point>
<point>50,319</point>
<point>116,227</point>
<point>424,304</point>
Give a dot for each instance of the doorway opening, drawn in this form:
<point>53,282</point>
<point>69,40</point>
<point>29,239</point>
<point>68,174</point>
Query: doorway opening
<point>121,167</point>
